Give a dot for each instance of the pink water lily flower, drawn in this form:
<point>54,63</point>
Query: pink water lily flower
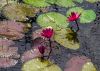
<point>73,17</point>
<point>47,32</point>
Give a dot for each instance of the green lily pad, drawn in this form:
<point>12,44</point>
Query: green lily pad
<point>37,3</point>
<point>93,1</point>
<point>38,65</point>
<point>65,3</point>
<point>52,19</point>
<point>4,2</point>
<point>51,1</point>
<point>58,22</point>
<point>67,38</point>
<point>18,11</point>
<point>74,9</point>
<point>87,16</point>
<point>79,1</point>
<point>89,67</point>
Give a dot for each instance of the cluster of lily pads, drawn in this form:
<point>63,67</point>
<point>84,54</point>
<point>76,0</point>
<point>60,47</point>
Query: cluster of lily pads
<point>55,27</point>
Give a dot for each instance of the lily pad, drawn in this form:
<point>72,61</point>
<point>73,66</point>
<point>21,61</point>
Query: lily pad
<point>74,9</point>
<point>52,19</point>
<point>79,1</point>
<point>18,11</point>
<point>67,38</point>
<point>65,3</point>
<point>38,65</point>
<point>12,30</point>
<point>51,1</point>
<point>4,2</point>
<point>37,3</point>
<point>89,67</point>
<point>93,1</point>
<point>8,54</point>
<point>87,16</point>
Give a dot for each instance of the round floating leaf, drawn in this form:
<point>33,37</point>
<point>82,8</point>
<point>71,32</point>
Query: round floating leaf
<point>37,3</point>
<point>92,1</point>
<point>8,55</point>
<point>30,54</point>
<point>38,65</point>
<point>18,11</point>
<point>67,38</point>
<point>74,9</point>
<point>12,30</point>
<point>76,63</point>
<point>87,16</point>
<point>65,3</point>
<point>88,67</point>
<point>4,2</point>
<point>79,1</point>
<point>51,1</point>
<point>52,19</point>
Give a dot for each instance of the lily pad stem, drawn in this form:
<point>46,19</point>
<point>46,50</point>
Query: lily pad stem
<point>50,49</point>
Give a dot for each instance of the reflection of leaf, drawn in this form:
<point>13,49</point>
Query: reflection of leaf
<point>37,3</point>
<point>76,63</point>
<point>18,11</point>
<point>89,67</point>
<point>38,65</point>
<point>93,1</point>
<point>12,30</point>
<point>87,16</point>
<point>72,36</point>
<point>67,40</point>
<point>52,19</point>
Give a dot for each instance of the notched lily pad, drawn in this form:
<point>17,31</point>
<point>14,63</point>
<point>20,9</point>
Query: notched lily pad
<point>79,1</point>
<point>67,38</point>
<point>76,63</point>
<point>8,54</point>
<point>4,2</point>
<point>37,3</point>
<point>89,66</point>
<point>74,9</point>
<point>52,19</point>
<point>65,3</point>
<point>18,11</point>
<point>38,65</point>
<point>93,1</point>
<point>12,30</point>
<point>87,16</point>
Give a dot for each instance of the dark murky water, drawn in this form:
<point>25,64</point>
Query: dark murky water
<point>89,39</point>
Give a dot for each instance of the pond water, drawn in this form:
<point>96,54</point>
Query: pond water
<point>89,39</point>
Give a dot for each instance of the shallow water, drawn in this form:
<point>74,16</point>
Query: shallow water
<point>89,39</point>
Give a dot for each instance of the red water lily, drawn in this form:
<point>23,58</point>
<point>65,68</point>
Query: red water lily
<point>42,49</point>
<point>73,17</point>
<point>47,32</point>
